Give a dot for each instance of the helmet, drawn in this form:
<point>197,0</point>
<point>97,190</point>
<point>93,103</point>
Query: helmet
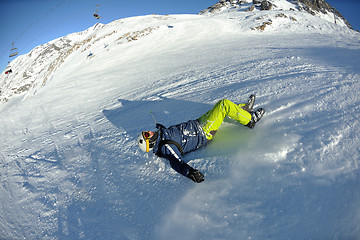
<point>146,143</point>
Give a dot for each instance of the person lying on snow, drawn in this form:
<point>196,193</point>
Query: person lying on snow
<point>171,143</point>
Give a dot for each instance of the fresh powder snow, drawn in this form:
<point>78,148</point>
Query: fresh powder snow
<point>72,108</point>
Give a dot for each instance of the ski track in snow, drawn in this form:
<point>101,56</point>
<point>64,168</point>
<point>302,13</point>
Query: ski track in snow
<point>70,169</point>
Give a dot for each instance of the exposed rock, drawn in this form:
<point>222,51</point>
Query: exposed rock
<point>251,8</point>
<point>222,4</point>
<point>263,26</point>
<point>310,6</point>
<point>313,6</point>
<point>265,5</point>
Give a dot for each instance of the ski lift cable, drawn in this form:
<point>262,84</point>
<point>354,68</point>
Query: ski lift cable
<point>31,25</point>
<point>54,26</point>
<point>26,29</point>
<point>38,19</point>
<point>61,21</point>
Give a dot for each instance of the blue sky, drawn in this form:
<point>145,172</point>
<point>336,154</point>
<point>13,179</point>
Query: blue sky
<point>30,23</point>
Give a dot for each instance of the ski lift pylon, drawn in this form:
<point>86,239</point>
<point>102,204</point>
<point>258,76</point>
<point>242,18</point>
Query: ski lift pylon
<point>13,51</point>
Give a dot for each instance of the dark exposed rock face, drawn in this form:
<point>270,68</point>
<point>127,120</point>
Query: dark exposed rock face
<point>265,5</point>
<point>317,5</point>
<point>222,3</point>
<point>310,6</point>
<point>322,6</point>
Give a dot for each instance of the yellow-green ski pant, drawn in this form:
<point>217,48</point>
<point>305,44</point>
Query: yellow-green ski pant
<point>211,121</point>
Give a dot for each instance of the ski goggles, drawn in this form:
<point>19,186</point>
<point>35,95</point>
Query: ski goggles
<point>146,136</point>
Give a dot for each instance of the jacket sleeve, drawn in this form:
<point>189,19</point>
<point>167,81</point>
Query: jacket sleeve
<point>171,153</point>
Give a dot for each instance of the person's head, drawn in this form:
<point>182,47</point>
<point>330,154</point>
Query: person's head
<point>146,140</point>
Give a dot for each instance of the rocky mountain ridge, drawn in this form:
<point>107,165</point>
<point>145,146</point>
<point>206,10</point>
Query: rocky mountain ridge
<point>32,71</point>
<point>314,7</point>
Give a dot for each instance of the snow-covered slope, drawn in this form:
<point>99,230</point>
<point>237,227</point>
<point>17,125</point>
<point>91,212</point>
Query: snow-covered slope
<point>70,169</point>
<point>34,70</point>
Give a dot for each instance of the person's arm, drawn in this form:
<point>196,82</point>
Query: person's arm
<point>173,155</point>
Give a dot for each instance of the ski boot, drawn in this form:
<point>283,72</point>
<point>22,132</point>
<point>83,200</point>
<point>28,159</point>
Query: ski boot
<point>250,104</point>
<point>255,117</point>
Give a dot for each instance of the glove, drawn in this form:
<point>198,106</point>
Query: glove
<point>196,176</point>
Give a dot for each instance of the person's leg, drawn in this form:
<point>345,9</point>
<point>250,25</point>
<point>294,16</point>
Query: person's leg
<point>212,120</point>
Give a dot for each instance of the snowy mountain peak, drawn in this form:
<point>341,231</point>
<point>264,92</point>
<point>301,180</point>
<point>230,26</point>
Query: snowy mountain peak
<point>32,71</point>
<point>315,7</point>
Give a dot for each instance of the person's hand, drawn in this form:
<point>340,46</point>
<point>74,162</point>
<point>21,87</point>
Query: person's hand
<point>196,176</point>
